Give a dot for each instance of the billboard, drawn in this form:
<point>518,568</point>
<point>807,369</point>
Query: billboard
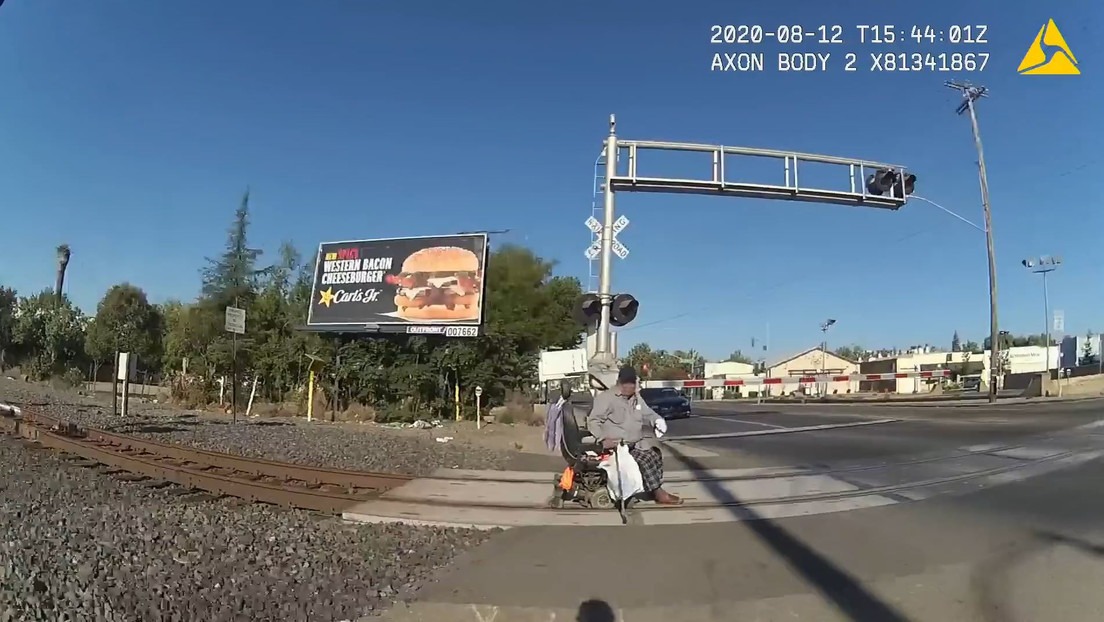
<point>424,285</point>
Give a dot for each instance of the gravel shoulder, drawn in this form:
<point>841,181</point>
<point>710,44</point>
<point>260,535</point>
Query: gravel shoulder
<point>360,447</point>
<point>80,544</point>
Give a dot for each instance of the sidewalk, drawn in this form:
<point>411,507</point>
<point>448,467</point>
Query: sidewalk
<point>969,561</point>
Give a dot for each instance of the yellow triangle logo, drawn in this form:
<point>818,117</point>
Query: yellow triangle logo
<point>1049,55</point>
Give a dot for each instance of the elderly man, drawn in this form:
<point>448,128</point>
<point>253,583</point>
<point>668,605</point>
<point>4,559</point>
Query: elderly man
<point>619,415</point>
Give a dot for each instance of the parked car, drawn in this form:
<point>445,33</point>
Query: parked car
<point>668,403</point>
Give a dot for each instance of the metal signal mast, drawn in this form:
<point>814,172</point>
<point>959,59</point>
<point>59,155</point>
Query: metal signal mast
<point>871,184</point>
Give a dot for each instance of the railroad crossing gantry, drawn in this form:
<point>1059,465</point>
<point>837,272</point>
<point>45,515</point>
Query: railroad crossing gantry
<point>872,184</point>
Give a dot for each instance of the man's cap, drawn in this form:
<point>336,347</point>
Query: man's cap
<point>627,375</point>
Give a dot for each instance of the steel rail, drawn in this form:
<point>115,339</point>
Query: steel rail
<point>265,481</point>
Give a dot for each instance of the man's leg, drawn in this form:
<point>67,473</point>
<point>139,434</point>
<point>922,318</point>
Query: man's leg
<point>650,462</point>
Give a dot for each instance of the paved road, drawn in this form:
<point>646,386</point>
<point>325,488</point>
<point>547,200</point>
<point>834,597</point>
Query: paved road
<point>919,429</point>
<point>1031,550</point>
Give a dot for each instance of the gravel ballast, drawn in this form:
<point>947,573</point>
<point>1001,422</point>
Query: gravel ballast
<point>77,543</point>
<point>354,447</point>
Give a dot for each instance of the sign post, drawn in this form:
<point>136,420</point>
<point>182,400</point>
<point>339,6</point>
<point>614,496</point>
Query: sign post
<point>478,411</point>
<point>125,369</point>
<point>235,324</point>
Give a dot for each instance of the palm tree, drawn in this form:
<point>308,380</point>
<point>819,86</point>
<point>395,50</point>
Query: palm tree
<point>62,263</point>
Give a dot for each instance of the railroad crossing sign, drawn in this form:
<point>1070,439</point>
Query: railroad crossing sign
<point>619,225</point>
<point>595,248</point>
<point>235,320</point>
<point>619,249</point>
<point>478,391</point>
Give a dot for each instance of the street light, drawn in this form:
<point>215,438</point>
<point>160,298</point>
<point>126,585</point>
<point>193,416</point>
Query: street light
<point>1044,265</point>
<point>824,350</point>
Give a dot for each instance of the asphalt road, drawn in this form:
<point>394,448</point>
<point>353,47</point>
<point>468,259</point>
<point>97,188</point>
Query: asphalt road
<point>918,430</point>
<point>1028,550</point>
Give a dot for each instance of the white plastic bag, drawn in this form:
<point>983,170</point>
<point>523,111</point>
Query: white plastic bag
<point>660,427</point>
<point>630,482</point>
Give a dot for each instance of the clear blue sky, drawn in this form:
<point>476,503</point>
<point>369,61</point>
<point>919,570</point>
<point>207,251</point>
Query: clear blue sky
<point>130,129</point>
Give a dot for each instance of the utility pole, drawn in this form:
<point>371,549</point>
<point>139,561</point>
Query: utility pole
<point>970,95</point>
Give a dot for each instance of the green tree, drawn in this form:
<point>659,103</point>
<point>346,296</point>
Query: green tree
<point>8,300</point>
<point>738,357</point>
<point>50,335</point>
<point>125,322</point>
<point>234,275</point>
<point>640,356</point>
<point>851,353</point>
<point>956,343</point>
<point>1088,349</point>
<point>527,309</point>
<point>973,347</point>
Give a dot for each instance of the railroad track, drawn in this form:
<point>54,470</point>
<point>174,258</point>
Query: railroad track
<point>263,481</point>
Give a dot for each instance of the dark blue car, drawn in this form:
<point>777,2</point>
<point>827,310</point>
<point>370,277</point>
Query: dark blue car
<point>668,403</point>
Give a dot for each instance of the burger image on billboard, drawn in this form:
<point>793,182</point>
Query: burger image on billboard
<point>438,283</point>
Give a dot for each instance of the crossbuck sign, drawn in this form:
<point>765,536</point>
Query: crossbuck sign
<point>595,248</point>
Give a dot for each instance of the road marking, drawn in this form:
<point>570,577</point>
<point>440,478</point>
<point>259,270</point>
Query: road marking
<point>809,428</point>
<point>765,425</point>
<point>690,450</point>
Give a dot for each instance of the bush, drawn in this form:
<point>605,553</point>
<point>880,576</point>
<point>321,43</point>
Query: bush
<point>72,378</point>
<point>519,409</point>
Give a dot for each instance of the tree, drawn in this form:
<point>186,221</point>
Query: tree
<point>738,357</point>
<point>640,357</point>
<point>50,334</point>
<point>527,308</point>
<point>956,343</point>
<point>234,274</point>
<point>125,322</point>
<point>1088,350</point>
<point>63,254</point>
<point>8,300</point>
<point>973,347</point>
<point>851,353</point>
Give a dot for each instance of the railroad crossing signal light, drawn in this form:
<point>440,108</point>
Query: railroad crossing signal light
<point>905,186</point>
<point>880,182</point>
<point>624,309</point>
<point>884,180</point>
<point>588,309</point>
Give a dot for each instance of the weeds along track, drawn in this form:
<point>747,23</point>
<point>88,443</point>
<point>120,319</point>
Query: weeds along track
<point>262,481</point>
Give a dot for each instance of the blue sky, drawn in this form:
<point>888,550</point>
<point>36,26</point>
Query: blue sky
<point>130,130</point>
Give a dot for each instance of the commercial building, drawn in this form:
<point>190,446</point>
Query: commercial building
<point>810,363</point>
<point>728,369</point>
<point>1018,360</point>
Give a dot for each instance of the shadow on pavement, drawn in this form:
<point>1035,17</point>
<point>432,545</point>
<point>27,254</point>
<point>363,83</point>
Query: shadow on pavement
<point>595,610</point>
<point>844,591</point>
<point>1077,543</point>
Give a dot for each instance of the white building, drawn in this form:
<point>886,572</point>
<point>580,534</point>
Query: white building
<point>728,369</point>
<point>813,362</point>
<point>1028,359</point>
<point>1020,360</point>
